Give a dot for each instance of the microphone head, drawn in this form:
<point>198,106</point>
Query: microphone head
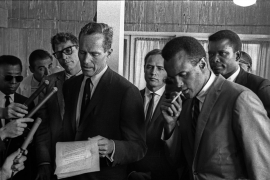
<point>46,82</point>
<point>55,89</point>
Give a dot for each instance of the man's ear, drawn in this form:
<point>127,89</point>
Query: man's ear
<point>31,69</point>
<point>202,63</point>
<point>109,52</point>
<point>238,55</point>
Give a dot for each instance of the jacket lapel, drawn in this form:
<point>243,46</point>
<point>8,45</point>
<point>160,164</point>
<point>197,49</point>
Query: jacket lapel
<point>59,85</point>
<point>208,105</point>
<point>157,111</point>
<point>97,98</point>
<point>75,96</point>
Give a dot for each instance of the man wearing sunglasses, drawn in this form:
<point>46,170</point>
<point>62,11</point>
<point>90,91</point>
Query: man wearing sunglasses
<point>40,62</point>
<point>224,56</point>
<point>13,132</point>
<point>65,47</point>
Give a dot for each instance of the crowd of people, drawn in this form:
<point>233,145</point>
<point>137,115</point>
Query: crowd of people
<point>196,119</point>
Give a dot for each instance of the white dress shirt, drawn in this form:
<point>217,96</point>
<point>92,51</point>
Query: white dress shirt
<point>148,96</point>
<point>234,75</point>
<point>2,103</point>
<point>202,94</point>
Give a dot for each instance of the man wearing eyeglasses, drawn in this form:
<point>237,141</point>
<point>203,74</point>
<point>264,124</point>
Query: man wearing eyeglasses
<point>13,132</point>
<point>224,56</point>
<point>65,47</point>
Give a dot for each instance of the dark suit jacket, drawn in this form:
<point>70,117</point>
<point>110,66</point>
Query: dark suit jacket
<point>15,143</point>
<point>116,112</point>
<point>259,85</point>
<point>51,113</point>
<point>156,159</point>
<point>232,139</point>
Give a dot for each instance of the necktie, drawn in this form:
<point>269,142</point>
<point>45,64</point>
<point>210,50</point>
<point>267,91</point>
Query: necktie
<point>86,96</point>
<point>150,108</point>
<point>196,112</point>
<point>7,100</point>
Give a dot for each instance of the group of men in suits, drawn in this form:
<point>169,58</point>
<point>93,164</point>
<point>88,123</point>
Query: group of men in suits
<point>219,131</point>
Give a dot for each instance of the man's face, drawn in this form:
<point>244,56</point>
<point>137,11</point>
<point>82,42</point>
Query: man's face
<point>42,68</point>
<point>223,59</point>
<point>154,72</point>
<point>92,55</point>
<point>245,66</point>
<point>9,87</point>
<point>68,62</point>
<point>182,73</point>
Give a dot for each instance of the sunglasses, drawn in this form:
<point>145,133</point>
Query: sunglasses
<point>10,78</point>
<point>66,51</point>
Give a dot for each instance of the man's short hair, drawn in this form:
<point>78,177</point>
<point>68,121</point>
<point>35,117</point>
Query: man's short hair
<point>99,28</point>
<point>63,37</point>
<point>230,35</point>
<point>245,57</point>
<point>38,55</point>
<point>151,53</point>
<point>190,45</point>
<point>10,60</point>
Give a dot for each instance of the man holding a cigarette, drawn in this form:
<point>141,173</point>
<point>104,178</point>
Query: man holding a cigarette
<point>13,131</point>
<point>155,164</point>
<point>225,131</point>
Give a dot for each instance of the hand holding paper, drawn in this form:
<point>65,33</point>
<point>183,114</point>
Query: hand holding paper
<point>105,146</point>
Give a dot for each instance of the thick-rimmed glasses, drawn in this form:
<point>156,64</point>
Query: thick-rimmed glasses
<point>66,51</point>
<point>10,78</point>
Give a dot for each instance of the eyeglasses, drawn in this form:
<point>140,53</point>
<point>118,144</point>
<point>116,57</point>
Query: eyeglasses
<point>10,78</point>
<point>66,51</point>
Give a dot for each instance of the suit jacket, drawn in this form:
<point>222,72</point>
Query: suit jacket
<point>259,85</point>
<point>51,113</point>
<point>232,138</point>
<point>15,143</point>
<point>115,112</point>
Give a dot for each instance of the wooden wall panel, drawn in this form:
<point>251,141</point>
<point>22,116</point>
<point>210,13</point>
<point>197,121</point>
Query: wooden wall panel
<point>197,16</point>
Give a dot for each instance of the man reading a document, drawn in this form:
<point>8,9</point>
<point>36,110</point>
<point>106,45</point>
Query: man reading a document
<point>103,105</point>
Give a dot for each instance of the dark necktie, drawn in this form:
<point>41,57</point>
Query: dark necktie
<point>6,105</point>
<point>86,97</point>
<point>196,112</point>
<point>150,108</point>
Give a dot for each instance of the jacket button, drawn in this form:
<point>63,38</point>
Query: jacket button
<point>195,173</point>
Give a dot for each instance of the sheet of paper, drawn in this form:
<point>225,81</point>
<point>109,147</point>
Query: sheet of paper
<point>74,158</point>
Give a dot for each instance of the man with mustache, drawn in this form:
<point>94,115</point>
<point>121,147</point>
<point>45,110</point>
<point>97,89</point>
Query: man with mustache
<point>103,105</point>
<point>225,131</point>
<point>14,131</point>
<point>224,56</point>
<point>65,47</point>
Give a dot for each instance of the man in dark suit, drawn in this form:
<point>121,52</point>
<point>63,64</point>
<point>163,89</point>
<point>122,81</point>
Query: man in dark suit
<point>104,105</point>
<point>65,47</point>
<point>13,132</point>
<point>155,164</point>
<point>224,55</point>
<point>225,131</point>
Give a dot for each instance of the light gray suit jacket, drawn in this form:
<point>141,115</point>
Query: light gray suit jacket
<point>232,139</point>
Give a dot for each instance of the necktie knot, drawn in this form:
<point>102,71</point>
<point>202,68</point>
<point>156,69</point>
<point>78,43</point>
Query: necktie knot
<point>7,100</point>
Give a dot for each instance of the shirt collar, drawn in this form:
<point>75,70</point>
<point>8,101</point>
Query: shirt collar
<point>158,92</point>
<point>67,76</point>
<point>34,82</point>
<point>234,75</point>
<point>2,96</point>
<point>95,79</point>
<point>202,94</point>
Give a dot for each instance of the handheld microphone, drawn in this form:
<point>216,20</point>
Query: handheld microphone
<point>36,93</point>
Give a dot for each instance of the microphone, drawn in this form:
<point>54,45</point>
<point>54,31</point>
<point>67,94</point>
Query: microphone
<point>36,93</point>
<point>54,90</point>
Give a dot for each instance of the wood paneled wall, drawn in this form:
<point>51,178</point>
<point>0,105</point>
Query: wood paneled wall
<point>197,16</point>
<point>30,24</point>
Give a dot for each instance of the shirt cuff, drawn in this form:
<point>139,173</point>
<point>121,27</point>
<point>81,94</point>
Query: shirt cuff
<point>111,158</point>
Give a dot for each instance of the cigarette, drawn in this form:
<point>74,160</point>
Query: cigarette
<point>178,94</point>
